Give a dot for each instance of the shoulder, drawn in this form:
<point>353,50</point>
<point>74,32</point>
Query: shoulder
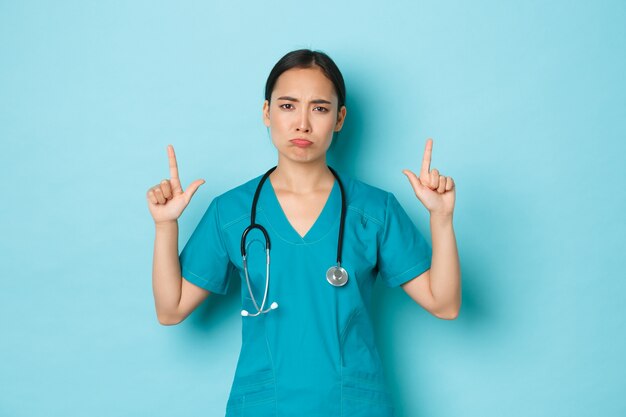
<point>365,199</point>
<point>243,190</point>
<point>234,204</point>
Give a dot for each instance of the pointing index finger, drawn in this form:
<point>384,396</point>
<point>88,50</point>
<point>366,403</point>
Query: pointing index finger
<point>172,161</point>
<point>428,151</point>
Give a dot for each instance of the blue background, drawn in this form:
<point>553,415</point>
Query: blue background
<point>525,102</point>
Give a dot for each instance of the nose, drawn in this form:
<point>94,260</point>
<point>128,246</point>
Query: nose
<point>303,123</point>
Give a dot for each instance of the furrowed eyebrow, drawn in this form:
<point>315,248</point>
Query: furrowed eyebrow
<point>316,101</point>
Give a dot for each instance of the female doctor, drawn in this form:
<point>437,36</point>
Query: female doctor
<point>307,241</point>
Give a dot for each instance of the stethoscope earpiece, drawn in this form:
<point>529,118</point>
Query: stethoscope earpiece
<point>336,275</point>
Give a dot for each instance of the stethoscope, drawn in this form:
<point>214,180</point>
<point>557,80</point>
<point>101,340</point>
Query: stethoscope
<point>335,275</point>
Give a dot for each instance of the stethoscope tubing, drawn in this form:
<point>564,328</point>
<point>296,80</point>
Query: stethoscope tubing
<point>253,225</point>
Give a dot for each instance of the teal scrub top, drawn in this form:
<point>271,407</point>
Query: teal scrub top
<point>315,355</point>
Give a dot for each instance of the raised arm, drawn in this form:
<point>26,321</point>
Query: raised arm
<point>174,297</point>
<point>439,289</point>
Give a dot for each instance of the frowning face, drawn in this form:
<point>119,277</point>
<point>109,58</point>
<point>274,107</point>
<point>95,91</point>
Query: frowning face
<point>302,114</point>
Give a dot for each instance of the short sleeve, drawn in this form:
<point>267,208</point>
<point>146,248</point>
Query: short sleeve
<point>403,252</point>
<point>204,260</point>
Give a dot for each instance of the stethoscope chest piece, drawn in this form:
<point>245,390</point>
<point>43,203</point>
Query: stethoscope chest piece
<point>337,276</point>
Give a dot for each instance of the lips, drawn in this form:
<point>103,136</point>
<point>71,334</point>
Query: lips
<point>301,142</point>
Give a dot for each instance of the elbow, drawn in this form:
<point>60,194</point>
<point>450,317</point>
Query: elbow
<point>448,313</point>
<point>168,319</point>
<point>448,316</point>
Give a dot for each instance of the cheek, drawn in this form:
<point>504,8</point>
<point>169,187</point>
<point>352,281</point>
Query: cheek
<point>275,122</point>
<point>281,118</point>
<point>327,123</point>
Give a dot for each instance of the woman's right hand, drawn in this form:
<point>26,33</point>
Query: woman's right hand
<point>167,200</point>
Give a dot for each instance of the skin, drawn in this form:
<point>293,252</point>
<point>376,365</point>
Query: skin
<point>438,289</point>
<point>302,183</point>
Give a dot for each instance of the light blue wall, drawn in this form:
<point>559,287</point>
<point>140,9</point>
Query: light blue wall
<point>525,101</point>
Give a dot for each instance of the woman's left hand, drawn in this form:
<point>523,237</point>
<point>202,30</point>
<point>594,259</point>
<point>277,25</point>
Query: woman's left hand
<point>435,191</point>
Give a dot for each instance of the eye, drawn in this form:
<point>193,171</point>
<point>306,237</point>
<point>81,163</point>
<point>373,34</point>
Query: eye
<point>323,109</point>
<point>286,104</point>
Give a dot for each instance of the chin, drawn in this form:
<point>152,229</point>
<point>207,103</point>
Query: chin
<point>300,156</point>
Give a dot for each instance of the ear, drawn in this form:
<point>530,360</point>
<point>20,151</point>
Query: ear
<point>266,113</point>
<point>341,117</point>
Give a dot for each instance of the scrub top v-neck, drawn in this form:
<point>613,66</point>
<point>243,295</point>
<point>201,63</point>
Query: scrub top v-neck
<point>282,225</point>
<point>315,354</point>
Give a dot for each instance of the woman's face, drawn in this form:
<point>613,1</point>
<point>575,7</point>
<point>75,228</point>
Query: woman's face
<point>303,106</point>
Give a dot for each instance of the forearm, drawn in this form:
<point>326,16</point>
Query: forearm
<point>445,273</point>
<point>166,274</point>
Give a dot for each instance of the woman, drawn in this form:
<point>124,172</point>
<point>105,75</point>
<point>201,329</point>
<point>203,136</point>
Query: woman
<point>308,346</point>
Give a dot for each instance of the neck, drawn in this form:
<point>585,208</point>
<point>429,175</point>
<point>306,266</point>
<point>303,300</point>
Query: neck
<point>301,178</point>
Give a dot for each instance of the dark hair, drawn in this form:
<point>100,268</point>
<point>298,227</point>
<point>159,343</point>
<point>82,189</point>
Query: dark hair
<point>306,58</point>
